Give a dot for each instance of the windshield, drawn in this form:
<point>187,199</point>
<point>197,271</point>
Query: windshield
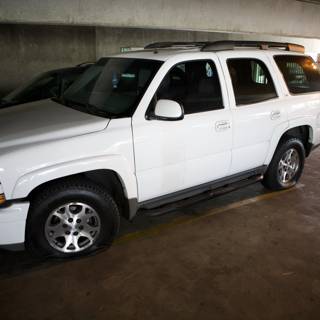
<point>112,87</point>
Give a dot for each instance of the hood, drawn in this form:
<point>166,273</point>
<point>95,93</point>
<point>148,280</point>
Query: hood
<point>44,120</point>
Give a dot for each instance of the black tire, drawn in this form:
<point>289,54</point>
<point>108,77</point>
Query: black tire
<point>272,179</point>
<point>65,193</point>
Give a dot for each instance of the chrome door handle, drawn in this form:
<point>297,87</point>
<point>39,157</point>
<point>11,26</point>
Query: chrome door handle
<point>223,125</point>
<point>274,115</point>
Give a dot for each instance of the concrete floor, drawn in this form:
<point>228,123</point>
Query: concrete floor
<point>247,255</point>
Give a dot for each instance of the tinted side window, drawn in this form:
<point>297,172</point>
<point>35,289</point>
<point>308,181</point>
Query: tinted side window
<point>251,81</point>
<point>301,74</point>
<point>194,84</point>
<point>46,87</point>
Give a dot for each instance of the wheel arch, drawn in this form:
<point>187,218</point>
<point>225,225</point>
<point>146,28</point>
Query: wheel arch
<point>302,132</point>
<point>109,180</point>
<point>112,173</point>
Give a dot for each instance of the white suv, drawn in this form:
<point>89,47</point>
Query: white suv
<point>152,127</point>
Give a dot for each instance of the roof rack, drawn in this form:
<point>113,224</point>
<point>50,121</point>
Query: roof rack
<point>83,64</point>
<point>262,45</point>
<point>165,45</point>
<point>228,45</point>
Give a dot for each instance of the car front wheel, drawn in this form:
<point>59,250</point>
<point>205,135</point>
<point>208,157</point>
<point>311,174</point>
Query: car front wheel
<point>71,218</point>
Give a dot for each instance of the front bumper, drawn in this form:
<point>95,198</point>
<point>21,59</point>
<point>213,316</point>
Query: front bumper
<point>13,223</point>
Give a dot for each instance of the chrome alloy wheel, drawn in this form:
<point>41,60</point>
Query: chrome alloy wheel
<point>288,166</point>
<point>72,227</point>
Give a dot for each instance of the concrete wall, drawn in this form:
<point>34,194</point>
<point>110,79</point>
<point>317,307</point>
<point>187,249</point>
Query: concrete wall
<point>277,17</point>
<point>28,50</point>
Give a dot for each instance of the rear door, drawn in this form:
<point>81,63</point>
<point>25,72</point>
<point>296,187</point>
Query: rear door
<point>256,104</point>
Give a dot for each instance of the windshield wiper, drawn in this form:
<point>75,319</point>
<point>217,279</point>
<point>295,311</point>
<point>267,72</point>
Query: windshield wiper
<point>87,107</point>
<point>96,111</point>
<point>58,100</point>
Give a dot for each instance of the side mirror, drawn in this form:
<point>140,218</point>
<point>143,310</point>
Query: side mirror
<point>167,110</point>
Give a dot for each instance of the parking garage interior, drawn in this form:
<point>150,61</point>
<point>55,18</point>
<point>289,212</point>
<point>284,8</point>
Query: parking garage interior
<point>246,254</point>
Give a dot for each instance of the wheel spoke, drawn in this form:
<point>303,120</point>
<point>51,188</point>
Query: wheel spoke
<point>61,215</point>
<point>67,212</point>
<point>57,229</point>
<point>282,164</point>
<point>289,155</point>
<point>284,174</point>
<point>71,240</point>
<point>86,234</point>
<point>91,228</point>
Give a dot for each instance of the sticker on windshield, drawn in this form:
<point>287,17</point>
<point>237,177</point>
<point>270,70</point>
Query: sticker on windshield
<point>115,80</point>
<point>209,71</point>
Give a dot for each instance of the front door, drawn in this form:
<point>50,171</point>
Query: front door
<point>176,155</point>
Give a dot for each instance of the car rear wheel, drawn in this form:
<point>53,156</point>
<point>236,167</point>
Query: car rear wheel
<point>286,166</point>
<point>71,218</point>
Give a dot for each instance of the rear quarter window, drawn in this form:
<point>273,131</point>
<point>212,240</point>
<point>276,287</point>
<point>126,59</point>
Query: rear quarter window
<point>301,74</point>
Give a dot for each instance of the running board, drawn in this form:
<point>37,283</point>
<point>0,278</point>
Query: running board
<point>151,209</point>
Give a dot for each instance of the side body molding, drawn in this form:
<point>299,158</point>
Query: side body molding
<point>116,163</point>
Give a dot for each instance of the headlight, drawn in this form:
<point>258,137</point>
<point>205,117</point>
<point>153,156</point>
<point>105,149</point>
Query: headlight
<point>2,196</point>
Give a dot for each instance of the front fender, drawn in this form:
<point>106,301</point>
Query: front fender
<point>116,163</point>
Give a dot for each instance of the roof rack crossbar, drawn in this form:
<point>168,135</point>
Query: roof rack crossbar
<point>228,45</point>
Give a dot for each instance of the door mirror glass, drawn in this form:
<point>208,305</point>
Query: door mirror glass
<point>168,110</point>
